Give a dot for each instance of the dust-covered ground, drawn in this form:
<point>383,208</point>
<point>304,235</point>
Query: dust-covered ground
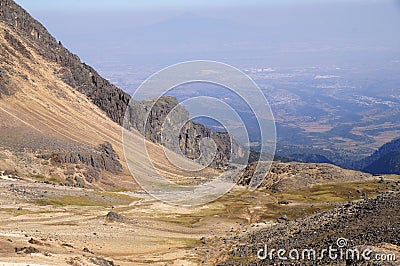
<point>56,225</point>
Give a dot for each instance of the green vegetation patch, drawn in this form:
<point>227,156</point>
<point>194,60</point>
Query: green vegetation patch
<point>100,199</point>
<point>43,179</point>
<point>303,202</point>
<point>349,191</point>
<point>38,176</point>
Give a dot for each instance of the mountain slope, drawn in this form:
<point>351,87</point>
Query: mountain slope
<point>383,161</point>
<point>42,115</point>
<point>87,81</point>
<point>59,120</point>
<point>74,73</point>
<point>386,164</point>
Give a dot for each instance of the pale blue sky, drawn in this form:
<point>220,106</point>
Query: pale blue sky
<point>127,4</point>
<point>290,32</point>
<point>101,5</point>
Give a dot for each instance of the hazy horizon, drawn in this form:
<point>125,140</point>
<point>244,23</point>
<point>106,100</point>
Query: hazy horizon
<point>274,33</point>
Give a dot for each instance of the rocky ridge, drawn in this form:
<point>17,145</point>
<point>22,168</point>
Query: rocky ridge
<point>298,175</point>
<point>371,223</point>
<point>103,157</point>
<point>100,91</point>
<point>186,139</point>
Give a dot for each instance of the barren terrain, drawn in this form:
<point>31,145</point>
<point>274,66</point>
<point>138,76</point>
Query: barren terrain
<point>56,225</point>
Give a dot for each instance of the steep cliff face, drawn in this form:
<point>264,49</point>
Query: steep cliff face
<point>85,165</point>
<point>85,79</point>
<point>169,123</point>
<point>101,92</point>
<point>102,157</point>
